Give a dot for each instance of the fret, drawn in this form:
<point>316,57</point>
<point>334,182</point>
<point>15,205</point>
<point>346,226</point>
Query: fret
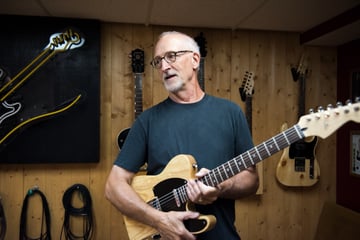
<point>258,155</point>
<point>237,165</point>
<point>225,171</point>
<point>215,176</point>
<point>300,135</point>
<point>221,177</point>
<point>229,164</point>
<point>267,150</point>
<point>277,146</point>
<point>242,159</point>
<point>285,137</point>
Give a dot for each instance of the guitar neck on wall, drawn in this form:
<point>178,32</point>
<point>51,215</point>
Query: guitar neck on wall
<point>167,190</point>
<point>246,92</point>
<point>201,41</point>
<point>137,65</point>
<point>298,166</point>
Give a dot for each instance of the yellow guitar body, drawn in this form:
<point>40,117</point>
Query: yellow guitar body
<point>291,175</point>
<point>180,167</point>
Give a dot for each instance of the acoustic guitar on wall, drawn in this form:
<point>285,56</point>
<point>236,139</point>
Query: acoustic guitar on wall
<point>167,190</point>
<point>298,166</point>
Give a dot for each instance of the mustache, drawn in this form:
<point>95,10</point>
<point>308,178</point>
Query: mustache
<point>169,75</point>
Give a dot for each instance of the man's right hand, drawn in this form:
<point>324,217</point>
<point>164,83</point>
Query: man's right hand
<point>170,225</point>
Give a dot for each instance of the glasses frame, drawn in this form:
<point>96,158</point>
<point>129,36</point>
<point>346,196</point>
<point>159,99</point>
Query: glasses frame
<point>166,56</point>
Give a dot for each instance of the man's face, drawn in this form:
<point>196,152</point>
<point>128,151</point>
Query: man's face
<point>175,75</point>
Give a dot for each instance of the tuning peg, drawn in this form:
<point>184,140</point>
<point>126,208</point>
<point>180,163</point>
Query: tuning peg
<point>357,99</point>
<point>320,109</point>
<point>329,106</point>
<point>339,104</point>
<point>348,102</point>
<point>311,110</point>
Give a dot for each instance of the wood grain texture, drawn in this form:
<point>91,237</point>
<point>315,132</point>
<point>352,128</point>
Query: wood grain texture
<point>278,213</point>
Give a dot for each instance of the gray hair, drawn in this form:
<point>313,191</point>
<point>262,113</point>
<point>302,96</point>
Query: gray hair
<point>192,44</point>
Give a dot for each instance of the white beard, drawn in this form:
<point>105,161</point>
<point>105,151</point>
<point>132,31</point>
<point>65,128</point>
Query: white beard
<point>174,86</point>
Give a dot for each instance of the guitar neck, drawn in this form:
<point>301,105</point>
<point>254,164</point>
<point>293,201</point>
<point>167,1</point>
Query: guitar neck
<point>301,100</point>
<point>253,156</point>
<point>201,75</point>
<point>248,111</point>
<point>238,164</point>
<point>138,94</point>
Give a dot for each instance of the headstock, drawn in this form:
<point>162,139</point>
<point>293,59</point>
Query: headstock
<point>137,60</point>
<point>326,121</point>
<point>247,86</point>
<point>201,41</point>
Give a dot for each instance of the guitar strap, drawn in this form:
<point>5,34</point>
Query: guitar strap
<point>2,222</point>
<point>70,211</point>
<point>45,234</point>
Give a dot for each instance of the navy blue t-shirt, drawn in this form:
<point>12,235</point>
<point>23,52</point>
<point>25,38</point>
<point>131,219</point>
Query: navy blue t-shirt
<point>213,131</point>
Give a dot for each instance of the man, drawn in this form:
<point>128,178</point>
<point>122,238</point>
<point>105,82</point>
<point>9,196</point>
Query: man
<point>211,129</point>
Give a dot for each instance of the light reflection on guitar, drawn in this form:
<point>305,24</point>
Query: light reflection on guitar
<point>167,190</point>
<point>13,115</point>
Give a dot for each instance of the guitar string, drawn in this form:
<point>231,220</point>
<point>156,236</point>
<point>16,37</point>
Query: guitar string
<point>239,163</point>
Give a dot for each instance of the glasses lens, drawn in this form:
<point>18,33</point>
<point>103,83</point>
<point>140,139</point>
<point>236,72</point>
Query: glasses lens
<point>156,62</point>
<point>170,57</point>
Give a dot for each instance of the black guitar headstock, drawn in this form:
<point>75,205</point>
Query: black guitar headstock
<point>201,41</point>
<point>137,60</point>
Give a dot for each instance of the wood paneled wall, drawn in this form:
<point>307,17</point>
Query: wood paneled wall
<point>277,213</point>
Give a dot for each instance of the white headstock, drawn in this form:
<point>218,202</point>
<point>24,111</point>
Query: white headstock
<point>326,121</point>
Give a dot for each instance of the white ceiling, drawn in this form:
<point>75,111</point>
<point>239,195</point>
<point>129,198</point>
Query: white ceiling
<point>278,15</point>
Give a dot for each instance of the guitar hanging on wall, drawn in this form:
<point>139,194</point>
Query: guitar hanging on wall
<point>298,166</point>
<point>137,65</point>
<point>246,92</point>
<point>14,116</point>
<point>201,41</point>
<point>167,190</point>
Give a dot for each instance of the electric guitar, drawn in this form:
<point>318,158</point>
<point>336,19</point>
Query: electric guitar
<point>201,41</point>
<point>14,116</point>
<point>137,64</point>
<point>246,91</point>
<point>167,190</point>
<point>298,166</point>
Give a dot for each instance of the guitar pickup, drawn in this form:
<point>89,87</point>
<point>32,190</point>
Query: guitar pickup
<point>299,164</point>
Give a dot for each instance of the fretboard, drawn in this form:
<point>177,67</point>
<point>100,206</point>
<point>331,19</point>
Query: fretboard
<point>253,156</point>
<point>138,94</point>
<point>201,75</point>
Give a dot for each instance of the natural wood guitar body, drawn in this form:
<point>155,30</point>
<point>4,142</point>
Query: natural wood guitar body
<point>178,170</point>
<point>302,172</point>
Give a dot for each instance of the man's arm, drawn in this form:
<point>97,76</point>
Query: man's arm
<point>119,192</point>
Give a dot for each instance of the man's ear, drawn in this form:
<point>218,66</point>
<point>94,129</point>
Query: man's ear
<point>196,60</point>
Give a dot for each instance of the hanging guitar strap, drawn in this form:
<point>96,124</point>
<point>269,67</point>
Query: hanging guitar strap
<point>45,234</point>
<point>2,222</point>
<point>84,212</point>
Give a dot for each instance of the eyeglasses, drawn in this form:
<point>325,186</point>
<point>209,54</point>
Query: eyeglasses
<point>170,57</point>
